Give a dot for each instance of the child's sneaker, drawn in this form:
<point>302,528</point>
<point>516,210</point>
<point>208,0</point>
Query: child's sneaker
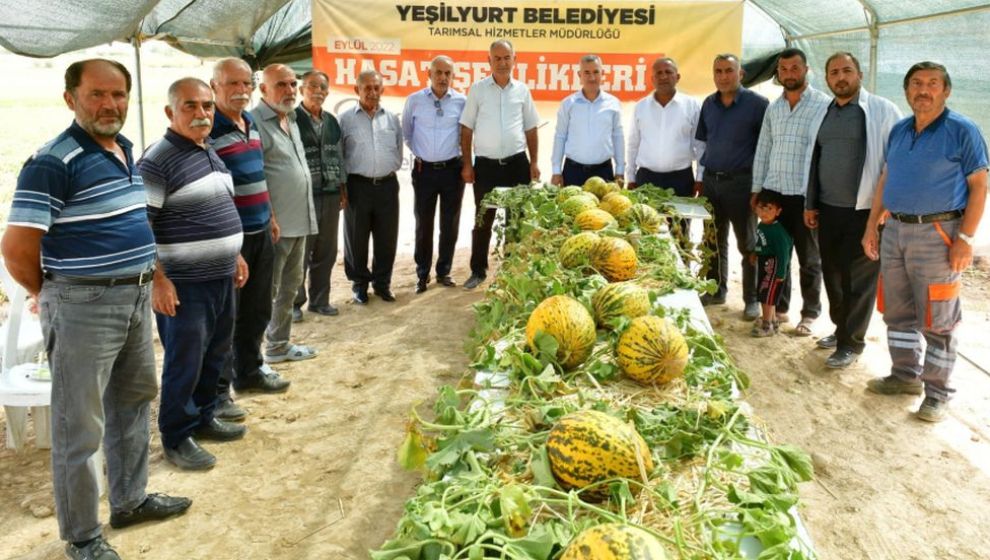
<point>763,329</point>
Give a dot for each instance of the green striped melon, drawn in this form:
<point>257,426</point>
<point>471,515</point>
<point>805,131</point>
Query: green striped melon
<point>652,350</point>
<point>614,541</point>
<point>578,203</point>
<point>615,203</point>
<point>588,446</point>
<point>615,259</point>
<point>596,186</point>
<point>569,323</point>
<point>644,216</point>
<point>620,299</point>
<point>576,249</point>
<point>568,192</point>
<point>594,219</point>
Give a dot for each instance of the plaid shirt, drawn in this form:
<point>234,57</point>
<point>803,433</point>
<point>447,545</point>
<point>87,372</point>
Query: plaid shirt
<point>781,162</point>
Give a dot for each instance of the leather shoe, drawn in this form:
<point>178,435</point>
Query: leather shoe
<point>421,285</point>
<point>446,281</point>
<point>262,382</point>
<point>473,282</point>
<point>827,342</point>
<point>709,299</point>
<point>218,430</point>
<point>386,295</point>
<point>227,410</point>
<point>752,311</point>
<point>361,296</point>
<point>841,359</point>
<point>297,315</point>
<point>328,310</point>
<point>96,549</point>
<point>153,508</point>
<point>190,456</point>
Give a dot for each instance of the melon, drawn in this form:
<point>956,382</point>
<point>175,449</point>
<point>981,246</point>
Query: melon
<point>615,203</point>
<point>569,323</point>
<point>614,541</point>
<point>589,446</point>
<point>615,259</point>
<point>594,219</point>
<point>620,299</point>
<point>596,186</point>
<point>578,203</point>
<point>644,216</point>
<point>576,249</point>
<point>568,192</point>
<point>652,350</point>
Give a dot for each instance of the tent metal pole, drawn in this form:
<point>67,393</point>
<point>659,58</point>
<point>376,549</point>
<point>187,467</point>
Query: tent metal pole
<point>140,89</point>
<point>871,20</point>
<point>894,22</point>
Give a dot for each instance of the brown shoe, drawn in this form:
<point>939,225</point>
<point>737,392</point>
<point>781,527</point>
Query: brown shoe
<point>893,385</point>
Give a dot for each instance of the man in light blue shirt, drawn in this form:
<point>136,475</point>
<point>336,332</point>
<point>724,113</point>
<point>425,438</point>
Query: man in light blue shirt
<point>589,131</point>
<point>372,154</point>
<point>781,165</point>
<point>431,129</point>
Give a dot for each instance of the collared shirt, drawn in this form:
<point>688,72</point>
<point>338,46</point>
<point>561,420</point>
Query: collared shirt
<point>840,153</point>
<point>927,172</point>
<point>663,139</point>
<point>781,161</point>
<point>431,127</point>
<point>372,144</point>
<point>286,172</point>
<point>245,159</point>
<point>91,206</point>
<point>589,132</point>
<point>499,117</point>
<point>730,133</point>
<point>881,115</point>
<point>191,209</point>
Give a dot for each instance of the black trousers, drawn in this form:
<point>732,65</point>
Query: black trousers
<point>488,174</point>
<point>432,183</point>
<point>850,277</point>
<point>809,259</point>
<point>321,252</point>
<point>729,195</point>
<point>253,310</point>
<point>372,211</point>
<point>575,173</point>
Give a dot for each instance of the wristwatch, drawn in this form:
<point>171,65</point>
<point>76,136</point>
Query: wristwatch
<point>967,238</point>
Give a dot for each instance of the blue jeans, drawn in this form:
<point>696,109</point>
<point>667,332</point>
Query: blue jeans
<point>197,344</point>
<point>100,352</point>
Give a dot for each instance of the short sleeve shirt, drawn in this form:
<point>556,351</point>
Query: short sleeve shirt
<point>499,117</point>
<point>91,205</point>
<point>927,171</point>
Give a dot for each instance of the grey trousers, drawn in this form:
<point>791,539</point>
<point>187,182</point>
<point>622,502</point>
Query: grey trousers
<point>919,296</point>
<point>287,274</point>
<point>321,252</point>
<point>100,352</point>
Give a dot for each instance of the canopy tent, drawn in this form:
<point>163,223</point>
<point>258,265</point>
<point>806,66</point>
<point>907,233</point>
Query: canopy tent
<point>886,35</point>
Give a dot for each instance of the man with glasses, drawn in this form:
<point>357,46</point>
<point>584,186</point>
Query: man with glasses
<point>291,188</point>
<point>431,130</point>
<point>321,137</point>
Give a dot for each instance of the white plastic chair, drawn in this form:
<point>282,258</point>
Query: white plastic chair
<point>20,386</point>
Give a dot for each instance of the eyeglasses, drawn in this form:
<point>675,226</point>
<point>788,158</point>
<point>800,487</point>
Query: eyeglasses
<point>436,103</point>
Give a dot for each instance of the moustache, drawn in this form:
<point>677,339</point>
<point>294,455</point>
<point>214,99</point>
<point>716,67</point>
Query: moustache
<point>195,123</point>
<point>240,97</point>
<point>922,96</point>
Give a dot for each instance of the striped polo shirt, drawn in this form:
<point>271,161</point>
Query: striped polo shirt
<point>191,209</point>
<point>244,158</point>
<point>91,206</point>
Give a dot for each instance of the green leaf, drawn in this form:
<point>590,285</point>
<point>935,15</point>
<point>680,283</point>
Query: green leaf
<point>540,466</point>
<point>514,505</point>
<point>546,347</point>
<point>449,450</point>
<point>412,453</point>
<point>797,460</point>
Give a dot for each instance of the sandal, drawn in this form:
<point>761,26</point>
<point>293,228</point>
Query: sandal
<point>763,329</point>
<point>293,353</point>
<point>803,328</point>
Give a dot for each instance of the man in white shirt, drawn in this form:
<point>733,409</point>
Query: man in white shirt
<point>500,120</point>
<point>589,131</point>
<point>662,144</point>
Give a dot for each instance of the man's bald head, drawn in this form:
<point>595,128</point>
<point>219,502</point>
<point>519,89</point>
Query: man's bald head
<point>279,87</point>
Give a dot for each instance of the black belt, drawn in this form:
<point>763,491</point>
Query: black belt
<point>722,175</point>
<point>502,161</point>
<point>372,180</point>
<point>586,167</point>
<point>140,279</point>
<point>455,161</point>
<point>927,218</point>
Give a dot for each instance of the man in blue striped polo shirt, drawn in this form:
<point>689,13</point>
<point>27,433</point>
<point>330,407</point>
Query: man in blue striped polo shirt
<point>78,237</point>
<point>198,233</point>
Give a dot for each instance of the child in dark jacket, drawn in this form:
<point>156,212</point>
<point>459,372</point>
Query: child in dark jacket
<point>773,253</point>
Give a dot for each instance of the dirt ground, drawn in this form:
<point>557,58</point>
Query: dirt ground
<point>316,478</point>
